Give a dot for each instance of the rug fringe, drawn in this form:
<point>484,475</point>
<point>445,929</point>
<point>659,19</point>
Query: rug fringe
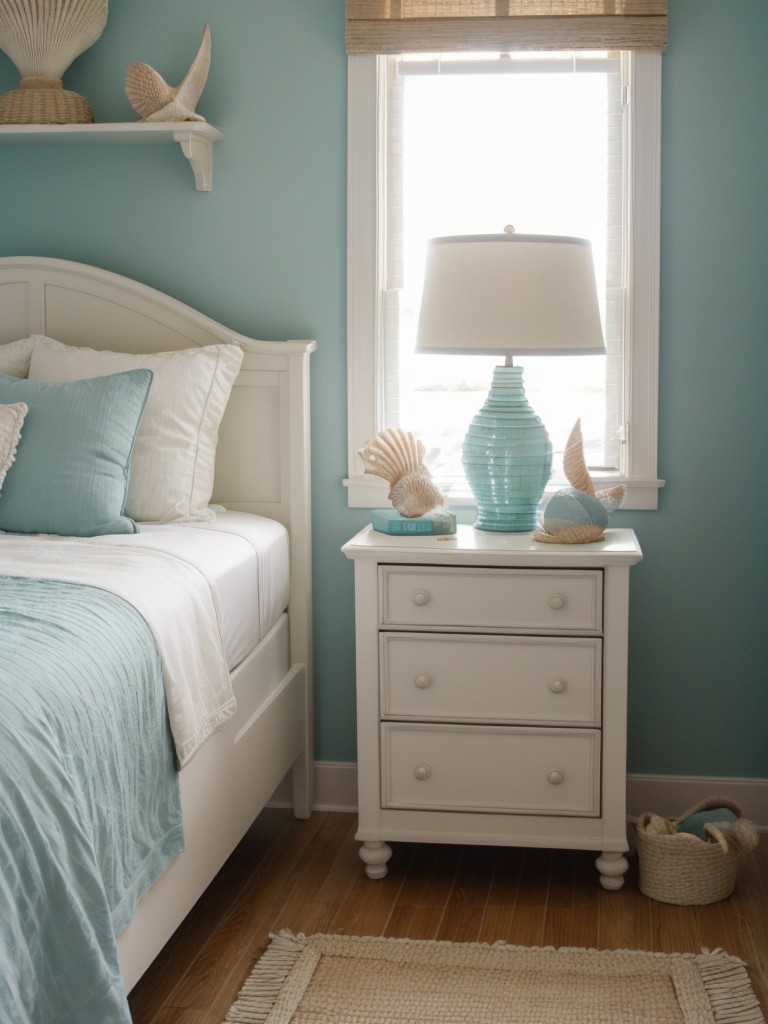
<point>260,991</point>
<point>729,990</point>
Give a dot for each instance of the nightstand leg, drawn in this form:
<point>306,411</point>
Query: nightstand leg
<point>375,857</point>
<point>612,867</point>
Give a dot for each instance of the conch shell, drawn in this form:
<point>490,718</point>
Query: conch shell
<point>154,100</point>
<point>577,474</point>
<point>398,457</point>
<point>574,464</point>
<point>578,515</point>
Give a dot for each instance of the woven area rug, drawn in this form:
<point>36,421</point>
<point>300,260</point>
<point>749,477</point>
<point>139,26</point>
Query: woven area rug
<point>338,979</point>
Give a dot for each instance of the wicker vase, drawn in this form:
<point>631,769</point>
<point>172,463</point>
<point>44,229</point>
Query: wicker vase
<point>42,38</point>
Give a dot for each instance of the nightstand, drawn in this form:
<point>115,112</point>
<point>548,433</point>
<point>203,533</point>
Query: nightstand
<point>492,692</point>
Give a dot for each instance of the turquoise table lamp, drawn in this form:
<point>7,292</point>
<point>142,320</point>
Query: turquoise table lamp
<point>519,295</point>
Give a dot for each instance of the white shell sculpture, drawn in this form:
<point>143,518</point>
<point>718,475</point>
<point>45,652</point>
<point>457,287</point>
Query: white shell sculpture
<point>154,100</point>
<point>42,38</point>
<point>578,514</point>
<point>397,457</point>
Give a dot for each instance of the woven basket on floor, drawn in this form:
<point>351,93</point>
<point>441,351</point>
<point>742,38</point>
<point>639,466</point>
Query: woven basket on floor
<point>680,868</point>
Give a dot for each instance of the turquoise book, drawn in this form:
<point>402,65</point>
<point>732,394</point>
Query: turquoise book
<point>438,521</point>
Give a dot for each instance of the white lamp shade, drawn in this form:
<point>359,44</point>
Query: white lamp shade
<point>520,294</point>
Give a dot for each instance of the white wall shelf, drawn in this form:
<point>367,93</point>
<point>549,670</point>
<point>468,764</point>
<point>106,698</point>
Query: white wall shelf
<point>196,139</point>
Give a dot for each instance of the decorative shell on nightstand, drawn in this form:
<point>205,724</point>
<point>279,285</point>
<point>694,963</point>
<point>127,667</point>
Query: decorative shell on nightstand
<point>154,100</point>
<point>577,514</point>
<point>398,457</point>
<point>42,38</point>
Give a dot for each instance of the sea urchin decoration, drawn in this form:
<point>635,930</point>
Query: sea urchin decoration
<point>577,514</point>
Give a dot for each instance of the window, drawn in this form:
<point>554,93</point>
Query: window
<point>561,144</point>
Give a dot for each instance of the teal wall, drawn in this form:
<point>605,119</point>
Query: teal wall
<point>265,253</point>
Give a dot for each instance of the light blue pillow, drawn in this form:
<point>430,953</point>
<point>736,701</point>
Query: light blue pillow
<point>71,471</point>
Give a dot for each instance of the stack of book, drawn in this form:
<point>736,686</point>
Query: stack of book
<point>438,521</point>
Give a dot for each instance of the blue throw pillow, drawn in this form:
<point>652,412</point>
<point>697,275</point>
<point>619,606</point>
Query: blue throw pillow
<point>71,471</point>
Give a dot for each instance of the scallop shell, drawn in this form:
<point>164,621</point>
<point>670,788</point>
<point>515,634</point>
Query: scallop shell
<point>415,494</point>
<point>574,466</point>
<point>43,37</point>
<point>154,100</point>
<point>397,456</point>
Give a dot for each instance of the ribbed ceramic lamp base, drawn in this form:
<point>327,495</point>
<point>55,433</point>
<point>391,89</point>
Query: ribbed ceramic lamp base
<point>507,457</point>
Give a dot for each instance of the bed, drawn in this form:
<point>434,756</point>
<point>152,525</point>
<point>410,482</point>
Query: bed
<point>258,730</point>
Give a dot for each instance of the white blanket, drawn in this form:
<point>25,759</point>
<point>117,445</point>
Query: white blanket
<point>177,602</point>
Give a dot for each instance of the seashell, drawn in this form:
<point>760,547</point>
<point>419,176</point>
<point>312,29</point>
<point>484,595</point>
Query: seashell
<point>415,494</point>
<point>392,453</point>
<point>43,37</point>
<point>397,456</point>
<point>578,514</point>
<point>572,517</point>
<point>570,535</point>
<point>154,100</point>
<point>574,464</point>
<point>611,498</point>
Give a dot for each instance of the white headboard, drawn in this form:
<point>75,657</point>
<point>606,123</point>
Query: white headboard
<point>263,456</point>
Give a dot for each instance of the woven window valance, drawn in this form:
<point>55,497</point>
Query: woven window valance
<point>434,26</point>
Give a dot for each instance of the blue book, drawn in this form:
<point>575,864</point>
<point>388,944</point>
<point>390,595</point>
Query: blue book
<point>438,521</point>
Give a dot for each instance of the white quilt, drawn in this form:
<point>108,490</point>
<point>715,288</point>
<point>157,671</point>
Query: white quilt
<point>177,602</point>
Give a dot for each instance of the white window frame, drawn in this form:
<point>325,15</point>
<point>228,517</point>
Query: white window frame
<point>365,269</point>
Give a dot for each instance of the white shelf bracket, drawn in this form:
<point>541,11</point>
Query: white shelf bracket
<point>199,152</point>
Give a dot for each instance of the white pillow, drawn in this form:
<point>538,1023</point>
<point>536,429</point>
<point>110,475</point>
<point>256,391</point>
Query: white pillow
<point>11,419</point>
<point>173,460</point>
<point>14,357</point>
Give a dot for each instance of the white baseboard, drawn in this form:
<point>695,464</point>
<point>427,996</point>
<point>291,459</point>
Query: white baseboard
<point>670,796</point>
<point>335,788</point>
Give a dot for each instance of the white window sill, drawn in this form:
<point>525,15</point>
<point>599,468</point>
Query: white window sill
<point>371,492</point>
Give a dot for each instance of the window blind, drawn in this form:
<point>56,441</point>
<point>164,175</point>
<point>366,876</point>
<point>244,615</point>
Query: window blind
<point>432,26</point>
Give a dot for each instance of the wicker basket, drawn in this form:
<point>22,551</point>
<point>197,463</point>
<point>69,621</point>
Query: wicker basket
<point>680,868</point>
<point>44,101</point>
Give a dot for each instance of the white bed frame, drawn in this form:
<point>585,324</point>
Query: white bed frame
<point>262,466</point>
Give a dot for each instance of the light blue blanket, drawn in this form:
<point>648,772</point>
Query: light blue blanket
<point>89,801</point>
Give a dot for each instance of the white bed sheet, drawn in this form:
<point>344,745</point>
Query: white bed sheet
<point>245,557</point>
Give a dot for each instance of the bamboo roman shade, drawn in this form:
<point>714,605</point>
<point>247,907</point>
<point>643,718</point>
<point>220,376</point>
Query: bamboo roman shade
<point>434,26</point>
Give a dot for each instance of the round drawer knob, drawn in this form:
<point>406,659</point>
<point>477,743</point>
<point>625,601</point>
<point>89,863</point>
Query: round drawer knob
<point>555,777</point>
<point>557,685</point>
<point>422,681</point>
<point>420,598</point>
<point>556,602</point>
<point>422,772</point>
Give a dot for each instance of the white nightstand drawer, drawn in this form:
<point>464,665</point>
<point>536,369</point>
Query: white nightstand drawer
<point>492,769</point>
<point>457,677</point>
<point>491,599</point>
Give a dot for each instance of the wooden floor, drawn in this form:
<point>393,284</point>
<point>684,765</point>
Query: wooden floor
<point>306,876</point>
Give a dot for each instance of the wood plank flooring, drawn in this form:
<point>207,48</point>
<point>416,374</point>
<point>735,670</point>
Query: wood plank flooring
<point>306,876</point>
